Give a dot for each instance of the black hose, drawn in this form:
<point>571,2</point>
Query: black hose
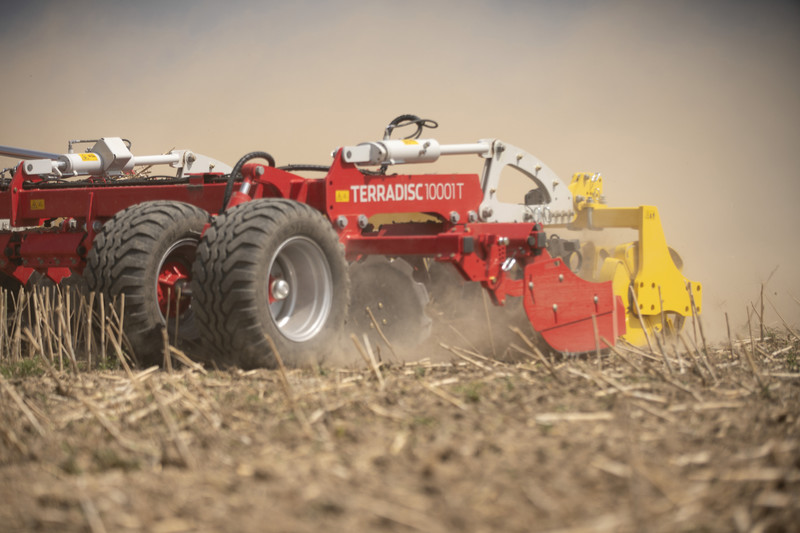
<point>237,170</point>
<point>310,168</point>
<point>407,120</point>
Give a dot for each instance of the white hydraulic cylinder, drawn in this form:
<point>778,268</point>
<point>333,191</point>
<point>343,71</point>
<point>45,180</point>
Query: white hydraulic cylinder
<point>403,151</point>
<point>111,156</point>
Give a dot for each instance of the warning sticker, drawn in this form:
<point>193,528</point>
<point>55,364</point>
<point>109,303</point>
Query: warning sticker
<point>37,205</point>
<point>88,156</point>
<point>343,196</point>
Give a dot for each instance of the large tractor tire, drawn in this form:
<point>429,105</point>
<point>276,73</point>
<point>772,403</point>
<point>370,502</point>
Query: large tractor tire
<point>146,253</point>
<point>270,269</point>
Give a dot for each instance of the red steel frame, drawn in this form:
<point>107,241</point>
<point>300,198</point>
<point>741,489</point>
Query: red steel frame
<point>571,313</point>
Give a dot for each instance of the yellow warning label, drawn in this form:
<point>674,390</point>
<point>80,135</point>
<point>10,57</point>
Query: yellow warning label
<point>343,196</point>
<point>37,205</point>
<point>88,156</point>
<point>410,141</point>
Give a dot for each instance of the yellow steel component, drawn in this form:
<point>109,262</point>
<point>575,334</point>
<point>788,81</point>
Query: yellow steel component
<point>586,189</point>
<point>616,270</point>
<point>647,266</point>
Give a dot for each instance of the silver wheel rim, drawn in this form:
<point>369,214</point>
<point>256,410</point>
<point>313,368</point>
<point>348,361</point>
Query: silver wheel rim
<point>304,310</point>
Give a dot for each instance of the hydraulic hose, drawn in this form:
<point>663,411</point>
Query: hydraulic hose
<point>402,121</point>
<point>237,170</point>
<point>407,120</point>
<point>309,168</point>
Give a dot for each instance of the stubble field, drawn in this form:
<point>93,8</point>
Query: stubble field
<point>704,439</point>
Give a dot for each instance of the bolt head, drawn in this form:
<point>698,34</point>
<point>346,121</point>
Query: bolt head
<point>280,289</point>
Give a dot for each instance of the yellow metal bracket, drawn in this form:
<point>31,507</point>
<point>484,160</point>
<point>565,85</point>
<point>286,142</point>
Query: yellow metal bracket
<point>646,273</point>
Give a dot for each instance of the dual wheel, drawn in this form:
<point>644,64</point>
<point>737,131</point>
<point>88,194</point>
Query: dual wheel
<point>269,274</point>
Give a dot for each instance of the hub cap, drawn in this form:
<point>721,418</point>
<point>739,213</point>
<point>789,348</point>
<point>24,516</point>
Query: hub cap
<point>300,289</point>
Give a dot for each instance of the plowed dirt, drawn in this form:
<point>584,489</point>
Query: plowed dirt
<point>625,442</point>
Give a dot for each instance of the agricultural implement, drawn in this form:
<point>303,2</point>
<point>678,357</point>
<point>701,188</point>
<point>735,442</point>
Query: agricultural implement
<point>254,258</point>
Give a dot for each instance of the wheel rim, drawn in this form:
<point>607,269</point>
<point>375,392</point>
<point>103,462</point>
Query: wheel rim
<point>173,291</point>
<point>300,289</point>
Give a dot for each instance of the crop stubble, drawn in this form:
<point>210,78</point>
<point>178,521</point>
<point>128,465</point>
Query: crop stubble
<point>630,441</point>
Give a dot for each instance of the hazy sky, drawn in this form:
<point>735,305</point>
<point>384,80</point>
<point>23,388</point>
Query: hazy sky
<point>693,106</point>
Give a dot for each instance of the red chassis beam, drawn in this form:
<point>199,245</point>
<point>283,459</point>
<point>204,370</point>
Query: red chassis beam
<point>32,206</point>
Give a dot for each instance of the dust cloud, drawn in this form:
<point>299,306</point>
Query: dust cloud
<point>689,106</point>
